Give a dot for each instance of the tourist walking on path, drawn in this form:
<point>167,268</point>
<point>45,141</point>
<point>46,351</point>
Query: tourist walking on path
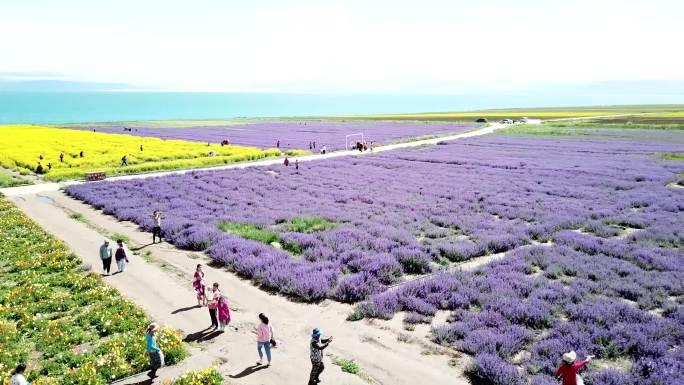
<point>264,339</point>
<point>18,376</point>
<point>200,287</point>
<point>106,257</point>
<point>569,368</point>
<point>156,230</point>
<point>223,313</point>
<point>296,164</point>
<point>213,305</point>
<point>153,350</point>
<point>316,354</point>
<point>121,256</point>
<point>124,161</point>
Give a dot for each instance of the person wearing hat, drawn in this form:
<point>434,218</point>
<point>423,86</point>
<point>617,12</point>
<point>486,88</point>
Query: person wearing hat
<point>317,345</point>
<point>569,368</point>
<point>106,256</point>
<point>153,350</point>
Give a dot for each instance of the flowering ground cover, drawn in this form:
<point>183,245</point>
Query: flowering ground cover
<point>68,326</point>
<point>23,147</point>
<point>404,213</point>
<point>592,230</point>
<point>295,134</point>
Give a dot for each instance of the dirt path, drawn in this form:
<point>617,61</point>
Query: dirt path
<point>159,281</point>
<point>46,187</point>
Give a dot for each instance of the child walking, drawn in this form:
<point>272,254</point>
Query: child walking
<point>223,313</point>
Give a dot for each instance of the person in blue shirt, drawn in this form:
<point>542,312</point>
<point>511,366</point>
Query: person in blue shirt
<point>153,350</point>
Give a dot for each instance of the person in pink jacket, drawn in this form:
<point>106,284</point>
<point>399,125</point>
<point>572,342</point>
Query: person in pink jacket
<point>223,313</point>
<point>265,339</point>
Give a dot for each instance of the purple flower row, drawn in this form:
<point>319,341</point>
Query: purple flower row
<point>294,134</point>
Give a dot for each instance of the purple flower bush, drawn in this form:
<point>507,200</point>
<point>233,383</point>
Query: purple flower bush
<point>295,134</point>
<point>591,234</point>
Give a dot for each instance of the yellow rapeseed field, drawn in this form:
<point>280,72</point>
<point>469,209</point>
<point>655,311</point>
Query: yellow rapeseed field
<point>21,148</point>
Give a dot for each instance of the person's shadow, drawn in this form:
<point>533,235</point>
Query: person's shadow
<point>202,335</point>
<point>185,309</point>
<point>247,371</point>
<point>141,247</point>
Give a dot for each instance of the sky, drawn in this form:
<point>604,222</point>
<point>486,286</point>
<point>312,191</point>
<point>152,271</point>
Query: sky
<point>364,46</point>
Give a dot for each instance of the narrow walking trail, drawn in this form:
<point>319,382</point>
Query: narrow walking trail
<point>45,187</point>
<point>159,280</point>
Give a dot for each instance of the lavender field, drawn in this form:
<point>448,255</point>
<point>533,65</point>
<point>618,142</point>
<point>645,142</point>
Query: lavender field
<point>592,232</point>
<point>294,134</point>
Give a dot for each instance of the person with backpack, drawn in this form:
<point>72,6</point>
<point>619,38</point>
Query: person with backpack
<point>121,256</point>
<point>153,350</point>
<point>567,372</point>
<point>264,339</point>
<point>106,257</point>
<point>316,354</point>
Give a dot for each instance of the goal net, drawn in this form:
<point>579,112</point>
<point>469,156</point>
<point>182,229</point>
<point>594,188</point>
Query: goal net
<point>351,139</point>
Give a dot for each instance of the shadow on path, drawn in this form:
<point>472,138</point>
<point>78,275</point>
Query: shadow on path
<point>141,247</point>
<point>247,371</point>
<point>185,309</point>
<point>202,335</point>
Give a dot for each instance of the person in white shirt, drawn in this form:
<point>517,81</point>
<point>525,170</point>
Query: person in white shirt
<point>18,376</point>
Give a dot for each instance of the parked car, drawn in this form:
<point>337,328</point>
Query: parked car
<point>506,121</point>
<point>481,120</point>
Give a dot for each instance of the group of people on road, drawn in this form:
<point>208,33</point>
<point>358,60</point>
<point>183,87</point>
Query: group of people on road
<point>219,310</point>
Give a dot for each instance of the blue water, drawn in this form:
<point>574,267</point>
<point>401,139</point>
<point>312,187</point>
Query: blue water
<point>75,107</point>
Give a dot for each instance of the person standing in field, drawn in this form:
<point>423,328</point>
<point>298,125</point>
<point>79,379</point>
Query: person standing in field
<point>278,144</point>
<point>39,169</point>
<point>200,287</point>
<point>324,149</point>
<point>156,230</point>
<point>316,354</point>
<point>120,256</point>
<point>567,372</point>
<point>213,305</point>
<point>223,313</point>
<point>106,257</point>
<point>286,162</point>
<point>124,161</point>
<point>141,148</point>
<point>153,350</point>
<point>81,154</point>
<point>264,339</point>
<point>296,164</point>
<point>61,157</point>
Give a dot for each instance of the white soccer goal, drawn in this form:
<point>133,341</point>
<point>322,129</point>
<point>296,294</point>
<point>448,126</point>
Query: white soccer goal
<point>347,141</point>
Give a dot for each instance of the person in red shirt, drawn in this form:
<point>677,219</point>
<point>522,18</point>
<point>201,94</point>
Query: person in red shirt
<point>569,368</point>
